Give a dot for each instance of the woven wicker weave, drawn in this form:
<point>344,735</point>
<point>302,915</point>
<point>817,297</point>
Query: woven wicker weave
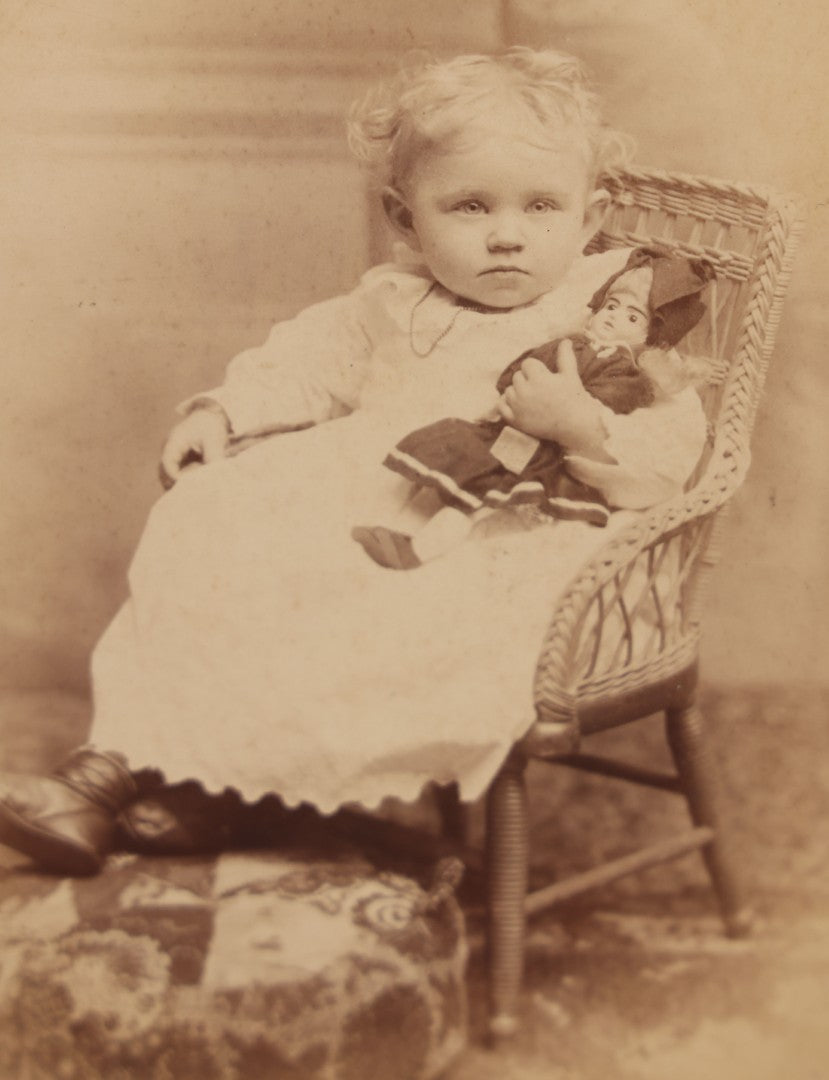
<point>749,235</point>
<point>623,642</point>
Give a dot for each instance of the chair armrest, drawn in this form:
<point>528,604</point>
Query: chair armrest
<point>681,526</point>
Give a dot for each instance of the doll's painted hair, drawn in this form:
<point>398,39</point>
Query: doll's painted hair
<point>432,100</point>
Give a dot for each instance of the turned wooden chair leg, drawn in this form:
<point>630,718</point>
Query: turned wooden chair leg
<point>507,858</point>
<point>697,770</point>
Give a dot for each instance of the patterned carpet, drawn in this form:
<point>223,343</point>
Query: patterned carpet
<point>633,982</point>
<point>237,968</point>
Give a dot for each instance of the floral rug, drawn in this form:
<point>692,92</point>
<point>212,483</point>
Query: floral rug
<point>235,967</point>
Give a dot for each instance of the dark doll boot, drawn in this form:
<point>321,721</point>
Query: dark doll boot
<point>65,822</point>
<point>178,820</point>
<point>183,819</point>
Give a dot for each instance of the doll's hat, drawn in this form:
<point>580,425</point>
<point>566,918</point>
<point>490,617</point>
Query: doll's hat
<point>675,305</point>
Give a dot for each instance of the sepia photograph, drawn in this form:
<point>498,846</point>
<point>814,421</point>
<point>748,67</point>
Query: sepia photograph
<point>413,610</point>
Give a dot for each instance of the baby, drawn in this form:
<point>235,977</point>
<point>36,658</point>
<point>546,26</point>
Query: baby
<point>259,649</point>
<point>625,358</point>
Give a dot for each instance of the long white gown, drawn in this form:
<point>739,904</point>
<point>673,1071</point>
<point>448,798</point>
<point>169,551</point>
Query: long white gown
<point>261,649</point>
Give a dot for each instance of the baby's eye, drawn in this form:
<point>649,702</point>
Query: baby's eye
<point>471,206</point>
<point>541,206</point>
<point>612,305</point>
<point>633,317</point>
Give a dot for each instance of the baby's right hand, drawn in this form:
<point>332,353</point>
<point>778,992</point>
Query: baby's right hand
<point>201,437</point>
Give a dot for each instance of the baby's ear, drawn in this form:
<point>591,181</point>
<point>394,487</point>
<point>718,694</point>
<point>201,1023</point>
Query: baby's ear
<point>595,209</point>
<point>399,216</point>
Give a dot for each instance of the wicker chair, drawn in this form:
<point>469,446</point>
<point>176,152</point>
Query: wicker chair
<point>602,663</point>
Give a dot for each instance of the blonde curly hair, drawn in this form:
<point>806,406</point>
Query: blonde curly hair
<point>430,100</point>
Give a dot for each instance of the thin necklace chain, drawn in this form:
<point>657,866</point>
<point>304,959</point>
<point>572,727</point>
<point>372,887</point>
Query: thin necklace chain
<point>467,306</point>
<point>418,352</point>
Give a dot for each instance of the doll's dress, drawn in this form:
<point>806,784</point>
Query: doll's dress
<point>455,456</point>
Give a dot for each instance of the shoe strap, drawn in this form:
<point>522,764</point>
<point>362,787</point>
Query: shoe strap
<point>100,778</point>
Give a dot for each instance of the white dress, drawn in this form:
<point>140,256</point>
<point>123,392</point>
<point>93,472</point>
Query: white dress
<point>261,649</point>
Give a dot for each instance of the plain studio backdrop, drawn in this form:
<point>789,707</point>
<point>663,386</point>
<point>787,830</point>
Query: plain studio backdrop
<point>174,177</point>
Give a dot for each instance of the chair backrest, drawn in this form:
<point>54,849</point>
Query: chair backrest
<point>599,643</point>
<point>749,236</point>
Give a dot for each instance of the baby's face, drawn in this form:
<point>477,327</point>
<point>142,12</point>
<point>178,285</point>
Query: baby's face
<point>498,217</point>
<point>621,319</point>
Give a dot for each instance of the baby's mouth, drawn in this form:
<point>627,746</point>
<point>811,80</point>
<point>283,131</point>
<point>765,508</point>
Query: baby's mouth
<point>502,270</point>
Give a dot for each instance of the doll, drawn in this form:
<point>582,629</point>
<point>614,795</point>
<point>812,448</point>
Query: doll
<point>625,358</point>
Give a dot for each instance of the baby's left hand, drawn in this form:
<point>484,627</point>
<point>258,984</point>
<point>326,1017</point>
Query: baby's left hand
<point>555,405</point>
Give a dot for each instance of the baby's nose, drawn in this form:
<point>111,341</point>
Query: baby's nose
<point>505,234</point>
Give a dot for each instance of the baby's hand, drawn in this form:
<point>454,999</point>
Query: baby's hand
<point>555,405</point>
<point>530,402</point>
<point>201,437</point>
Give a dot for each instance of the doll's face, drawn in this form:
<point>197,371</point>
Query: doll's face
<point>624,315</point>
<point>620,319</point>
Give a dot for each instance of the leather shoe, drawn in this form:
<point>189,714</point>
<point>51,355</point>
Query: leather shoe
<point>65,822</point>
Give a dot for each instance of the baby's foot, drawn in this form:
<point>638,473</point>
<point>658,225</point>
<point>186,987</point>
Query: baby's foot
<point>388,548</point>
